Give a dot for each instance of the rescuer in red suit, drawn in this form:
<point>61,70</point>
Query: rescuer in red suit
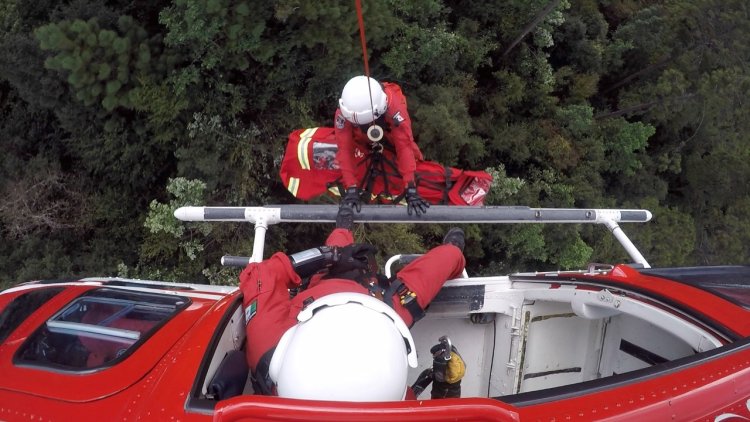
<point>270,312</point>
<point>368,114</point>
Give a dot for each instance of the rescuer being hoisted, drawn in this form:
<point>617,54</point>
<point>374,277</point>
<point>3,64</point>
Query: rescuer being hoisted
<point>370,154</point>
<point>384,167</point>
<point>372,117</point>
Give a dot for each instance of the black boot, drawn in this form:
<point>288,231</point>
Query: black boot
<point>455,237</point>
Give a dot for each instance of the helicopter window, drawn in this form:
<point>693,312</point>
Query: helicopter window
<point>729,282</point>
<point>99,328</point>
<point>21,307</point>
<point>739,293</point>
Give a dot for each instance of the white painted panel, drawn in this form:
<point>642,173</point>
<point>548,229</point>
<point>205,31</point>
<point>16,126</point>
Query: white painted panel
<point>561,348</point>
<point>643,334</point>
<point>474,342</point>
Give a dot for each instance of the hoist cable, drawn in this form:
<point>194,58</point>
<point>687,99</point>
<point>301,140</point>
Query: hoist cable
<point>363,39</point>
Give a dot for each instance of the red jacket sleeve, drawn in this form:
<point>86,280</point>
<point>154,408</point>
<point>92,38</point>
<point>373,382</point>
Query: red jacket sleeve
<point>345,155</point>
<point>266,303</point>
<point>275,274</point>
<point>340,238</point>
<point>397,116</point>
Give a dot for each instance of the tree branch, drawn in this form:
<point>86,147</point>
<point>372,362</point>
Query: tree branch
<point>533,24</point>
<point>661,62</point>
<point>641,107</point>
<point>39,201</point>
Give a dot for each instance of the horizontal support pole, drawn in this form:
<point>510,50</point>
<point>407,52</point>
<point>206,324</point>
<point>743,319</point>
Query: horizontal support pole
<point>294,213</point>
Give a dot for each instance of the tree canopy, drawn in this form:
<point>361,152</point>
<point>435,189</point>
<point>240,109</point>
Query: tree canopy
<point>112,114</point>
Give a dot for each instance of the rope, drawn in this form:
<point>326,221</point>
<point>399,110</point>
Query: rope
<point>363,40</point>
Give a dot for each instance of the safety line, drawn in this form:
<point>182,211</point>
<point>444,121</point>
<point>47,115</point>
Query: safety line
<point>361,21</point>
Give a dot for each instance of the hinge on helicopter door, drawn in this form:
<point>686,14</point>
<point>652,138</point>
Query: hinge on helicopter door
<point>523,337</point>
<point>596,268</point>
<point>515,335</point>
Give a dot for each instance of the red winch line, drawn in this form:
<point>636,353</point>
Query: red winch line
<point>360,19</point>
<point>358,5</point>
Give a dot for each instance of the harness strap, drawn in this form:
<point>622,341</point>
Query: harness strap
<point>261,379</point>
<point>383,289</point>
<point>373,283</point>
<point>424,178</point>
<point>407,298</point>
<point>374,165</point>
<point>378,165</point>
<point>448,184</point>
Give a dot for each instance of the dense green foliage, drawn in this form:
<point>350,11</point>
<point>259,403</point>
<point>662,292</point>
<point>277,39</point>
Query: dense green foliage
<point>114,113</point>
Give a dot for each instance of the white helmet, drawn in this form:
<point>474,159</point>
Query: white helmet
<point>346,347</point>
<point>355,102</point>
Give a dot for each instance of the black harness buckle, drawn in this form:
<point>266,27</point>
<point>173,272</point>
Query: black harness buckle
<point>407,298</point>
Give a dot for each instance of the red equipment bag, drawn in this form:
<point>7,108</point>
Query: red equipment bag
<point>310,169</point>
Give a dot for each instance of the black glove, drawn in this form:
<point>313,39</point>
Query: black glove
<point>345,218</point>
<point>351,260</point>
<point>414,202</point>
<point>352,199</point>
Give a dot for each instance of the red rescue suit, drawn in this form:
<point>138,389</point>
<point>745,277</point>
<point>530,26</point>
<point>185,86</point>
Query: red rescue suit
<point>310,169</point>
<point>353,142</point>
<point>269,311</point>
